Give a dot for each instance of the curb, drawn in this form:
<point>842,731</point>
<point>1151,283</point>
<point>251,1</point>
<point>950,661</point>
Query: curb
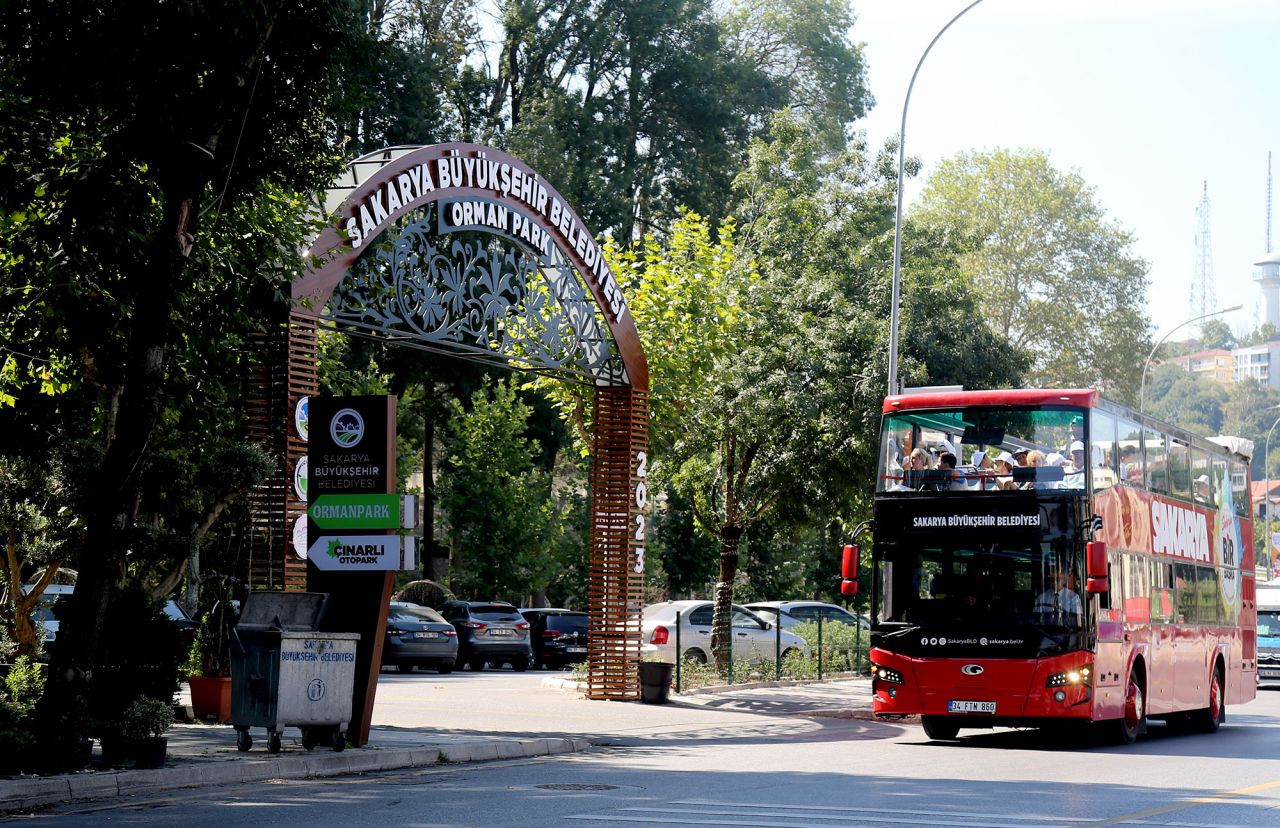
<point>81,787</point>
<point>569,685</point>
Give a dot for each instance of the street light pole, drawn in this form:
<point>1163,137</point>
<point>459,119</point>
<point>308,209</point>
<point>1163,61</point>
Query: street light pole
<point>897,218</point>
<point>1142,389</point>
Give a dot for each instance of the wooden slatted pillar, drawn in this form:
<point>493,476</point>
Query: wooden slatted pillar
<point>282,371</point>
<point>619,496</point>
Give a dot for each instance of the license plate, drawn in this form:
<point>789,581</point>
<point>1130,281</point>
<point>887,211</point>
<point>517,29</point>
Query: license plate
<point>426,635</point>
<point>575,649</point>
<point>501,632</point>
<point>971,707</point>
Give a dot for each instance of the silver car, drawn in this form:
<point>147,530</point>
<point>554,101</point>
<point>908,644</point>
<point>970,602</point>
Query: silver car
<point>800,612</point>
<point>754,639</point>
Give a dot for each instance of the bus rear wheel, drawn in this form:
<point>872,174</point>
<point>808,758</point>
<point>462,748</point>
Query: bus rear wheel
<point>939,728</point>
<point>1209,719</point>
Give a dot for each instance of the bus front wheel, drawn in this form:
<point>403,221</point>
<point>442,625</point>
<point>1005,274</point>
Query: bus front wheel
<point>1133,718</point>
<point>939,728</point>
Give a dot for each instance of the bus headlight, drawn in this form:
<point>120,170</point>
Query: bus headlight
<point>1068,678</point>
<point>885,674</point>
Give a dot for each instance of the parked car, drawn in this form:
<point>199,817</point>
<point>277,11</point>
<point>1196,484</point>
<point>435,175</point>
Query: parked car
<point>558,636</point>
<point>46,620</point>
<point>800,612</point>
<point>754,639</point>
<point>419,637</point>
<point>489,633</point>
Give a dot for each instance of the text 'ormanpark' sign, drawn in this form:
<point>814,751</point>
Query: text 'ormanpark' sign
<point>363,511</point>
<point>476,192</point>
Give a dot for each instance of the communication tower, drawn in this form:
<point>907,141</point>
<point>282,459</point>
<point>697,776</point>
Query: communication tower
<point>1203,301</point>
<point>1268,273</point>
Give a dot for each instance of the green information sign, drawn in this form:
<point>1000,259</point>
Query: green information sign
<point>356,511</point>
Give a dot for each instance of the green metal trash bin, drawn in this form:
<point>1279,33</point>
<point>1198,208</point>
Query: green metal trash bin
<point>286,673</point>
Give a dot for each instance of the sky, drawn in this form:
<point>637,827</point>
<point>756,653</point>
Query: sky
<point>1146,99</point>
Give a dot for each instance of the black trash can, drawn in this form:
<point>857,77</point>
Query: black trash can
<point>655,682</point>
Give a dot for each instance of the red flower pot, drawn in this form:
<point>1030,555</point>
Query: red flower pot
<point>211,698</point>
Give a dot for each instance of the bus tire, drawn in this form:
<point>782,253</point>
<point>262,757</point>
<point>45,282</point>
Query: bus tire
<point>1133,716</point>
<point>1209,719</point>
<point>939,728</point>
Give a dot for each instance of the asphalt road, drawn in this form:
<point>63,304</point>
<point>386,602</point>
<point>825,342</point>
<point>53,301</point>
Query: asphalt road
<point>744,767</point>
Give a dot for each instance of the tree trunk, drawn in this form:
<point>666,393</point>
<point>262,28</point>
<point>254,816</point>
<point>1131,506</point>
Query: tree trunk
<point>109,521</point>
<point>721,628</point>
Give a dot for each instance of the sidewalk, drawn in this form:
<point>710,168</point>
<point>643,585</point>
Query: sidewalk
<point>424,720</point>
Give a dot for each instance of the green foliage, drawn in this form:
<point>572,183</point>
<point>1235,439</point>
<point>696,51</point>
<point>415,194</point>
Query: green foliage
<point>1216,334</point>
<point>146,718</point>
<point>24,684</point>
<point>1057,276</point>
<point>844,646</point>
<point>502,520</point>
<point>210,653</point>
<point>1178,397</point>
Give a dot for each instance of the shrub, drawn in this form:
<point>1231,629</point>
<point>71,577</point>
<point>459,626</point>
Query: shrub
<point>842,644</point>
<point>146,718</point>
<point>24,685</point>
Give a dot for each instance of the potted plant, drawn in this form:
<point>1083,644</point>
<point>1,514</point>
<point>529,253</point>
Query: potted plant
<point>209,665</point>
<point>142,726</point>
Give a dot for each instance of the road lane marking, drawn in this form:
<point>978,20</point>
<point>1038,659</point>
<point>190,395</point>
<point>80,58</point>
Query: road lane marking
<point>1137,817</point>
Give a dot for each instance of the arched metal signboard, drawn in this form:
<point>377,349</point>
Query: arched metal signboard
<point>464,249</point>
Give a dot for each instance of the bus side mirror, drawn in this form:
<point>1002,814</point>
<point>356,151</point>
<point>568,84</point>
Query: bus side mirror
<point>849,564</point>
<point>848,587</point>
<point>1096,567</point>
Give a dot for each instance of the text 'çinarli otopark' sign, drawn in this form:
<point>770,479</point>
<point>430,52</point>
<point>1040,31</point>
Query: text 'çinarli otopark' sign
<point>362,511</point>
<point>356,552</point>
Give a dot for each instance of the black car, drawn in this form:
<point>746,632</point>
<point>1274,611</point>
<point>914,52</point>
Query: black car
<point>419,637</point>
<point>489,633</point>
<point>559,637</point>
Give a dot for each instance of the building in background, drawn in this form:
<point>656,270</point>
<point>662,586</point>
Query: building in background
<point>1216,365</point>
<point>1256,362</point>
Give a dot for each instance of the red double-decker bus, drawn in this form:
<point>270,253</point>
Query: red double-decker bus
<point>1049,557</point>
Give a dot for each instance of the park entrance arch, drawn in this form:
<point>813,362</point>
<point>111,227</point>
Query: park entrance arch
<point>463,249</point>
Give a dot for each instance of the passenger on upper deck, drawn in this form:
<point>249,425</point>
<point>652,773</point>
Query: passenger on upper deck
<point>1202,489</point>
<point>1004,471</point>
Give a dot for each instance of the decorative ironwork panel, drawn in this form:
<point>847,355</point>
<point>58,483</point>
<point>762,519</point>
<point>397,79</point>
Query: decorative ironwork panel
<point>481,294</point>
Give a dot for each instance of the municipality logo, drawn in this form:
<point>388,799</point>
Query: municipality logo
<point>346,428</point>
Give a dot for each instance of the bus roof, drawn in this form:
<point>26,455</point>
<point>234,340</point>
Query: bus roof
<point>1083,397</point>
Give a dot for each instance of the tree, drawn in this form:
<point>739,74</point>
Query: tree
<point>1056,275</point>
<point>1216,334</point>
<point>1250,410</point>
<point>766,344</point>
<point>502,522</point>
<point>1178,397</point>
<point>149,224</point>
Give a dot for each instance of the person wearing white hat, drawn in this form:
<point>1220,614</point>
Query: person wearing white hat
<point>1004,464</point>
<point>1202,489</point>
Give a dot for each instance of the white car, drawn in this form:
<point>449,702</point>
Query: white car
<point>800,612</point>
<point>754,639</point>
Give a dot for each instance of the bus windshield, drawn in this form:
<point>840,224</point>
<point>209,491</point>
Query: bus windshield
<point>1002,584</point>
<point>983,449</point>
